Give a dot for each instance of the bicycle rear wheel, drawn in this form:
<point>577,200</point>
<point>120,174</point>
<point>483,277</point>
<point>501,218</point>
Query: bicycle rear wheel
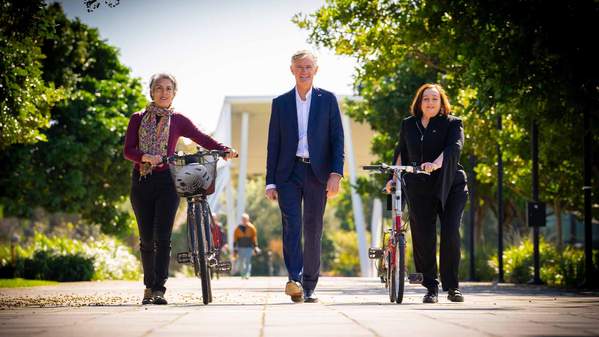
<point>400,264</point>
<point>204,273</point>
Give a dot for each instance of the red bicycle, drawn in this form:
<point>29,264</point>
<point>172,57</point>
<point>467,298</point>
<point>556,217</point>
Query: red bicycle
<point>392,255</point>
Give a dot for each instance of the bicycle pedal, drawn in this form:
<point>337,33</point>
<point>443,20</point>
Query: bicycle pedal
<point>415,278</point>
<point>224,266</point>
<point>183,257</point>
<point>375,253</point>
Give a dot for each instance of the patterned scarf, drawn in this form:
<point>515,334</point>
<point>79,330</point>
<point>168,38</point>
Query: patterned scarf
<point>153,136</point>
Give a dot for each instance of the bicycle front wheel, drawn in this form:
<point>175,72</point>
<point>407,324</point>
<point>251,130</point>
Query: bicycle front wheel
<point>203,255</point>
<point>400,264</point>
<point>392,282</point>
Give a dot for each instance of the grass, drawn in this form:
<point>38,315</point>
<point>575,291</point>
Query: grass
<point>21,283</point>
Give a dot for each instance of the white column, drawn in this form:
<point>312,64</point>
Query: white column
<point>376,226</point>
<point>243,165</point>
<point>223,134</point>
<point>356,200</point>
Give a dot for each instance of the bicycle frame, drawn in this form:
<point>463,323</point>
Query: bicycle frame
<point>393,248</point>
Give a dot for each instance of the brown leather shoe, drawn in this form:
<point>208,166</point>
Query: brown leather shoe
<point>159,297</point>
<point>295,290</point>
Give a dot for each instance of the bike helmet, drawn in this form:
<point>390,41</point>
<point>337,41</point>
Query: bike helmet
<point>193,177</point>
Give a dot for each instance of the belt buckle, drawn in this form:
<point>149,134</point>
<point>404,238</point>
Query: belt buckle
<point>304,160</point>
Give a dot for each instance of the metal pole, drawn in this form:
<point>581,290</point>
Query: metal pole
<point>472,190</point>
<point>590,280</point>
<point>376,228</point>
<point>535,197</point>
<point>499,206</point>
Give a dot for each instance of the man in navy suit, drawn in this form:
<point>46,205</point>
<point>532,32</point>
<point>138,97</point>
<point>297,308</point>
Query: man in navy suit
<point>304,165</point>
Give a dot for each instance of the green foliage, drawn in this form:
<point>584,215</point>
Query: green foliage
<point>25,98</point>
<point>347,260</point>
<point>495,59</point>
<point>109,258</point>
<point>21,283</point>
<point>64,268</point>
<point>559,269</point>
<point>79,168</point>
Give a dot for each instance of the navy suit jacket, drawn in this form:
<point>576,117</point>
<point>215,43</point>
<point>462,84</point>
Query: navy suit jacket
<point>325,136</point>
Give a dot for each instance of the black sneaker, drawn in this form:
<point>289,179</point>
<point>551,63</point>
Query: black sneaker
<point>148,298</point>
<point>309,296</point>
<point>455,295</point>
<point>159,297</point>
<point>431,296</point>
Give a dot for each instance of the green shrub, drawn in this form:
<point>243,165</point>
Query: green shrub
<point>45,265</point>
<point>558,269</point>
<point>111,259</point>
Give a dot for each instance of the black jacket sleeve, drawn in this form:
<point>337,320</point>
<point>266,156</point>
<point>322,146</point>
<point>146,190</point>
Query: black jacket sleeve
<point>451,156</point>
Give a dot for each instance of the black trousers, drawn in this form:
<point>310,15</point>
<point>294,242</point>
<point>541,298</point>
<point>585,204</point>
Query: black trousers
<point>424,208</point>
<point>155,204</point>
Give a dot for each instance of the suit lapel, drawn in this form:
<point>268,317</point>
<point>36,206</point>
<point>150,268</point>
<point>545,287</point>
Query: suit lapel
<point>314,104</point>
<point>293,113</point>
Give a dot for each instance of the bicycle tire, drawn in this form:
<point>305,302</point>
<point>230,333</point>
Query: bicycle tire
<point>400,253</point>
<point>203,261</point>
<point>392,285</point>
<point>208,244</point>
<point>192,241</point>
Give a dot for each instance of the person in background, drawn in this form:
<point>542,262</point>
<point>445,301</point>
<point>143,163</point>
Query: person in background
<point>245,241</point>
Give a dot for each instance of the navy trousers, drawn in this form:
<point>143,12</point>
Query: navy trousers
<point>303,265</point>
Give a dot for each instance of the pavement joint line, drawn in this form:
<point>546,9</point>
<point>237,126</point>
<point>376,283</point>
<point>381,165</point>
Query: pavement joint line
<point>147,333</point>
<point>465,326</point>
<point>263,318</point>
<point>369,329</point>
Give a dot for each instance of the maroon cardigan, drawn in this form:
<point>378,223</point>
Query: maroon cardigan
<point>180,126</point>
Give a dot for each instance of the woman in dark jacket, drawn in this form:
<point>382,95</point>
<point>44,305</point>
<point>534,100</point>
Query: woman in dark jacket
<point>433,139</point>
<point>152,134</point>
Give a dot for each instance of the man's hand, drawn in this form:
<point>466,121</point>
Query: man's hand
<point>272,194</point>
<point>333,185</point>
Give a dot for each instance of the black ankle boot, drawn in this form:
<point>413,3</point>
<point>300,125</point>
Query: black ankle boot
<point>431,296</point>
<point>455,295</point>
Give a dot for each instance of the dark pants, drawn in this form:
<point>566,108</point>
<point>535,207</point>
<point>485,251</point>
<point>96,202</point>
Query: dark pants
<point>424,207</point>
<point>155,204</point>
<point>302,186</point>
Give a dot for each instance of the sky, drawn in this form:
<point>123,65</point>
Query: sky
<point>214,48</point>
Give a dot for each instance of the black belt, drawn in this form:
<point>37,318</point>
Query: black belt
<point>303,160</point>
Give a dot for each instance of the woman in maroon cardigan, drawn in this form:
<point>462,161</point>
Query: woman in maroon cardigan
<point>152,134</point>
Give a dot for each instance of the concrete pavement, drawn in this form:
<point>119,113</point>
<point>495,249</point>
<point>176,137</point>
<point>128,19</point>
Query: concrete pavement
<point>257,307</point>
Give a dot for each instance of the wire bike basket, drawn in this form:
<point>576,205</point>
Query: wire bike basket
<point>194,174</point>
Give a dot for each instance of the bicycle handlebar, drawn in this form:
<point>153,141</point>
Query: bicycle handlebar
<point>384,168</point>
<point>200,153</point>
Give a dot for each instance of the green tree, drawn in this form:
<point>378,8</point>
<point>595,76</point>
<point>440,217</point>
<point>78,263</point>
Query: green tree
<point>25,98</point>
<point>496,59</point>
<point>80,168</point>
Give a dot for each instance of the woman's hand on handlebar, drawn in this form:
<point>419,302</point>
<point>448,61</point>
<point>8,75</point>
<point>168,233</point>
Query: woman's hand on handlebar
<point>429,167</point>
<point>152,159</point>
<point>232,153</point>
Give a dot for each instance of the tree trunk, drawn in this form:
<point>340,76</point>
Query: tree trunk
<point>557,209</point>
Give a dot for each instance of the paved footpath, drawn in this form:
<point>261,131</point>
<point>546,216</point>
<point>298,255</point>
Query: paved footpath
<point>257,308</point>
